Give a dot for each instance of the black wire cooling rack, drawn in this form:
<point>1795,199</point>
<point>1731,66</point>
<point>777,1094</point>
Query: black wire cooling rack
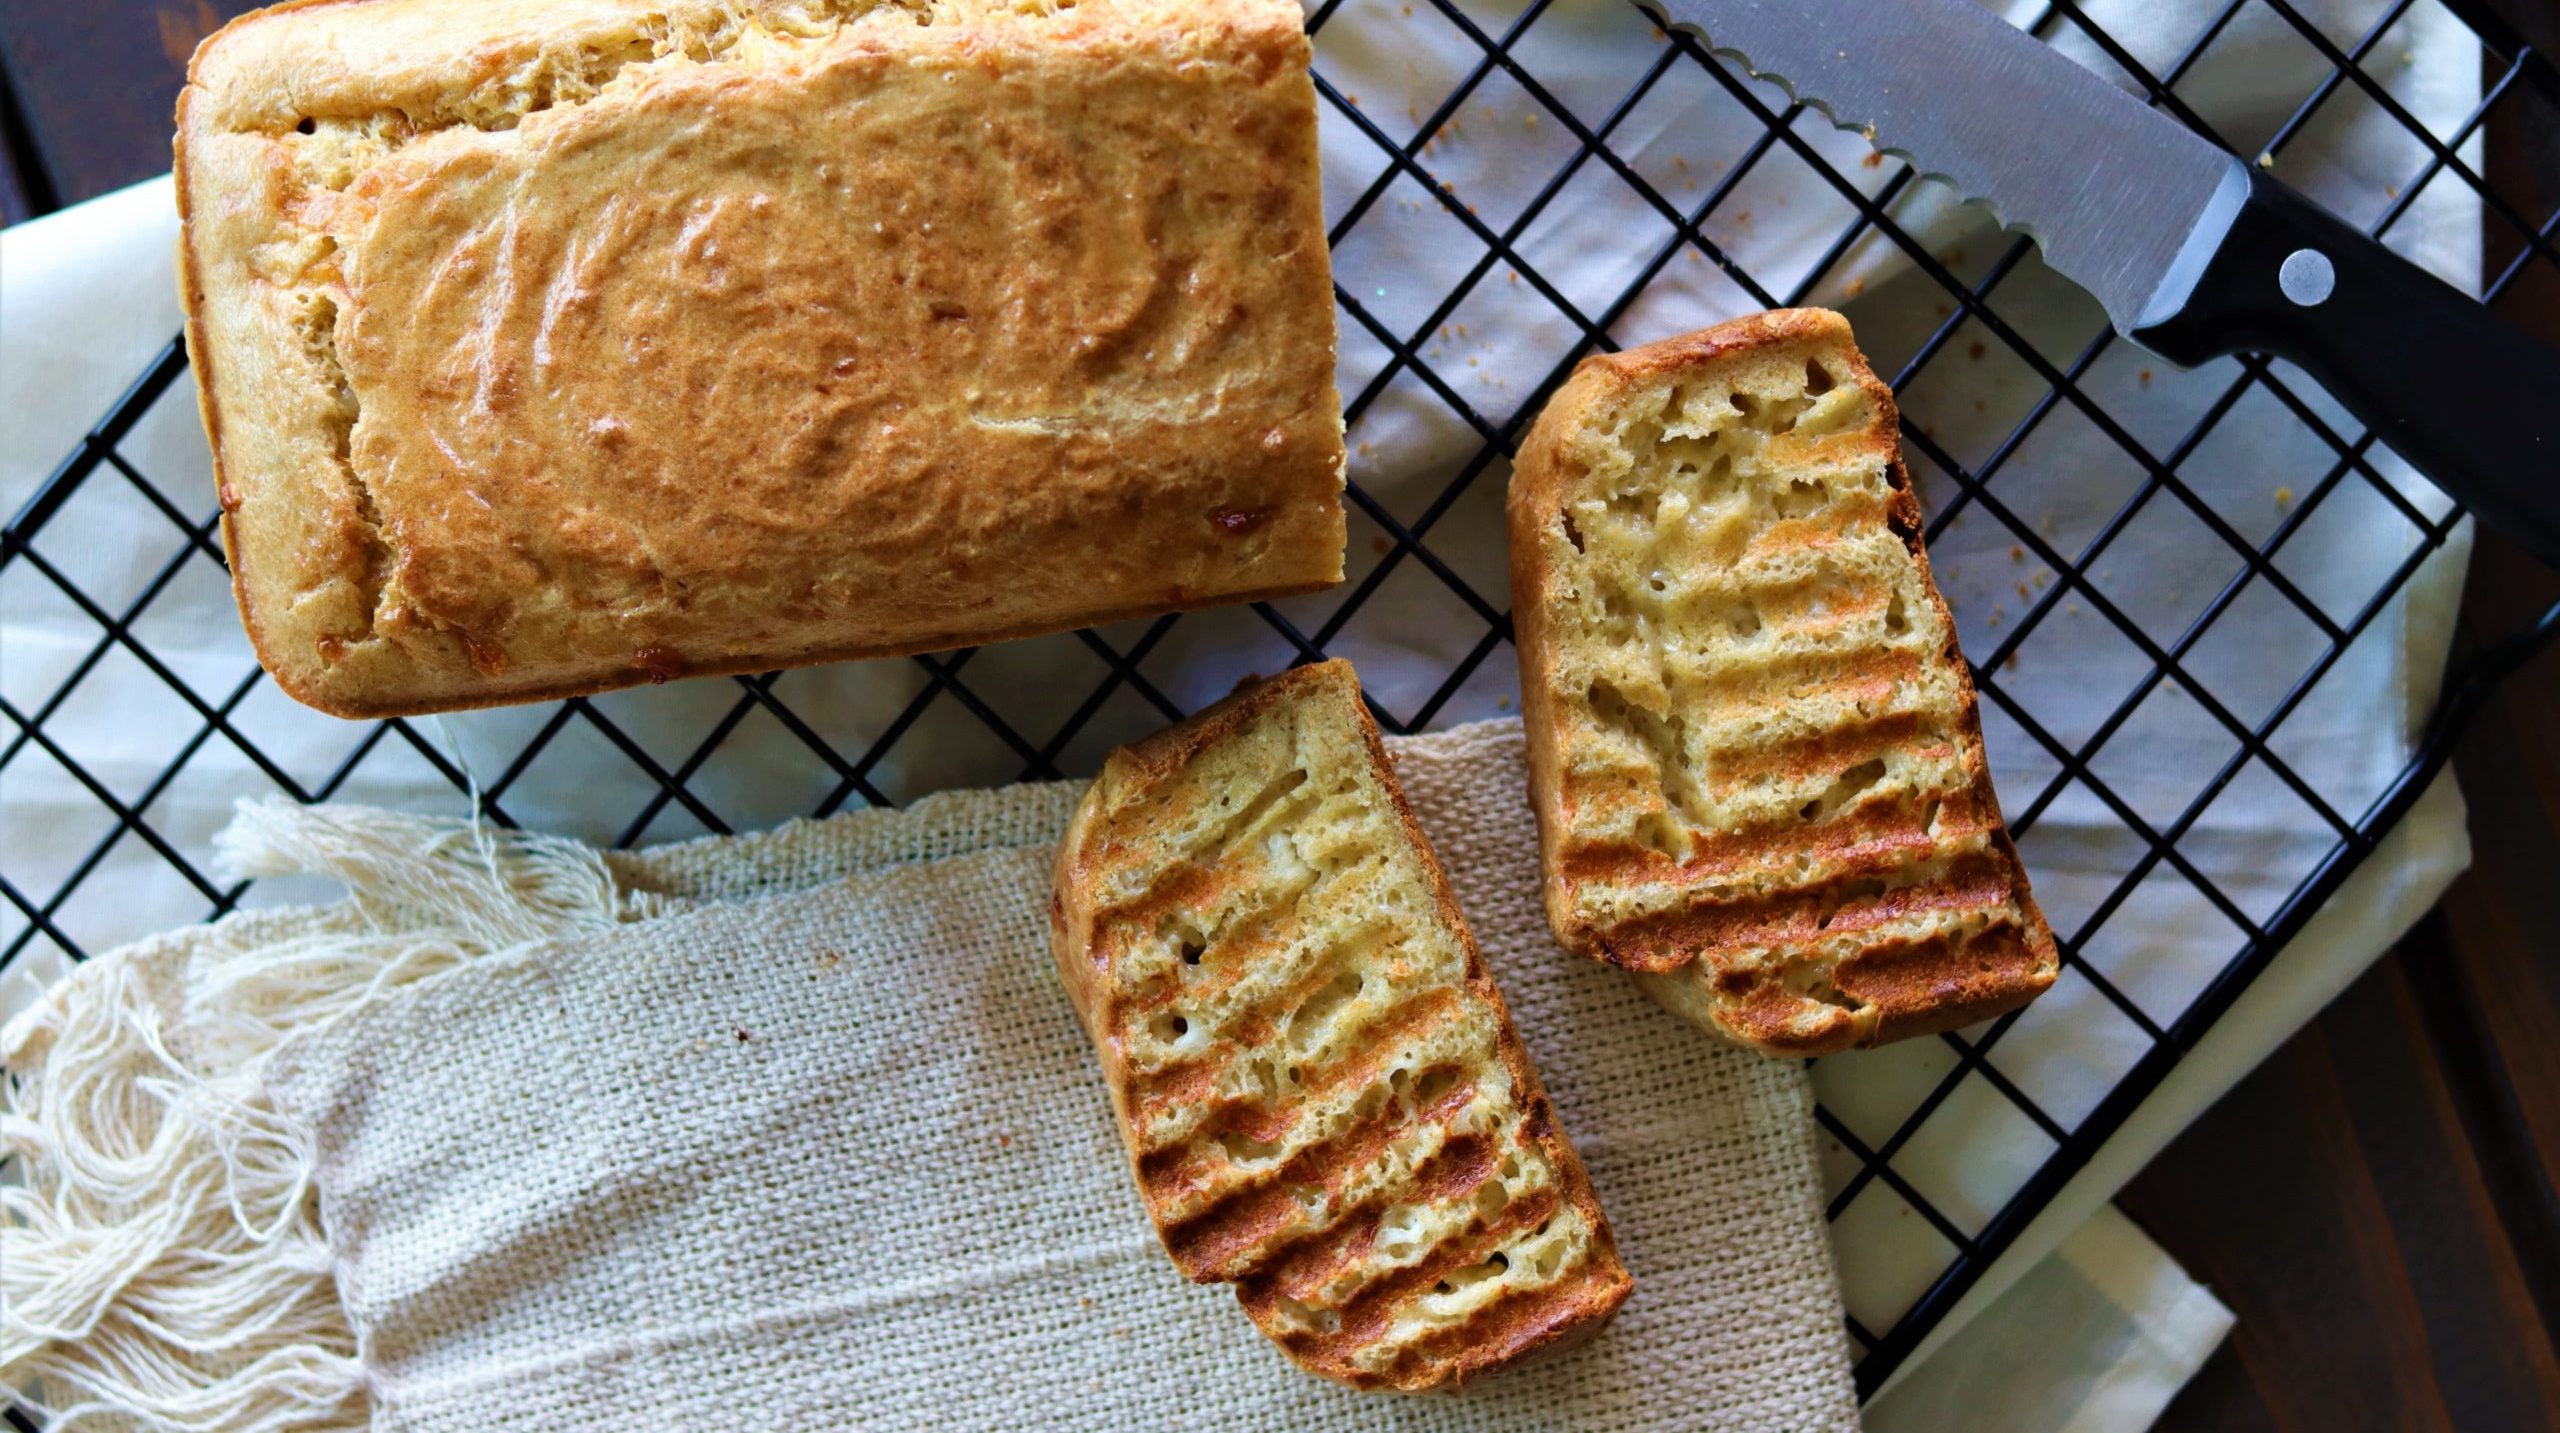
<point>218,736</point>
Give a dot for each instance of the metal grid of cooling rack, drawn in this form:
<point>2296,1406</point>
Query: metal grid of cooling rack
<point>1128,666</point>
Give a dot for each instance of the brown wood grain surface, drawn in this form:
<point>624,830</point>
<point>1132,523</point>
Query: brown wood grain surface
<point>2380,1202</point>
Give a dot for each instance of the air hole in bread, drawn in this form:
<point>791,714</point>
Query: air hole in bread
<point>1809,978</point>
<point>1929,820</point>
<point>1849,895</point>
<point>1742,619</point>
<point>1372,1103</point>
<point>1817,379</point>
<point>1637,505</point>
<point>1801,497</point>
<point>1243,1148</point>
<point>1572,530</point>
<point>1310,1017</point>
<point>1665,739</point>
<point>306,125</point>
<point>1660,833</point>
<point>1262,1078</point>
<point>1744,404</point>
<point>1471,1275</point>
<point>1168,1027</point>
<point>1896,617</point>
<point>1428,1090</point>
<point>1844,790</point>
<point>1308,1316</point>
<point>1398,1230</point>
<point>1192,949</point>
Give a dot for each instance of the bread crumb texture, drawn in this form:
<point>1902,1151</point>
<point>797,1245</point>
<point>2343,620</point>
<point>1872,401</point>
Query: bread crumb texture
<point>556,346</point>
<point>1760,769</point>
<point>1324,1100</point>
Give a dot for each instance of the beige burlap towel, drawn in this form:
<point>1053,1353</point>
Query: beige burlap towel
<point>725,1136</point>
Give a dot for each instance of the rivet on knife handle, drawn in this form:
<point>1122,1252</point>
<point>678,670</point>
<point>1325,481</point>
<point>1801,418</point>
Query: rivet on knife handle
<point>2469,400</point>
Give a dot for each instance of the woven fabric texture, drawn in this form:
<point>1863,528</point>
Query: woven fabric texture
<point>829,1149</point>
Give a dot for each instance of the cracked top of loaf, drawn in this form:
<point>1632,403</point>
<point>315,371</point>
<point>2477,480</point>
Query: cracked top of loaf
<point>1754,748</point>
<point>550,347</point>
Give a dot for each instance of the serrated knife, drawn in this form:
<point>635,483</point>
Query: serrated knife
<point>2193,253</point>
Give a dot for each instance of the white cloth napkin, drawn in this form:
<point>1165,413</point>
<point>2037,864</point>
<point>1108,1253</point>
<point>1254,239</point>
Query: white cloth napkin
<point>2143,1327</point>
<point>86,297</point>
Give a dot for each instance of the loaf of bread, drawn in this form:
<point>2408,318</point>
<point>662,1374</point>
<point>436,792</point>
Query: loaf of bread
<point>552,345</point>
<point>1320,1089</point>
<point>1754,751</point>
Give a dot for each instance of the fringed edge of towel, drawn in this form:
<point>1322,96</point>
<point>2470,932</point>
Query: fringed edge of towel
<point>161,1258</point>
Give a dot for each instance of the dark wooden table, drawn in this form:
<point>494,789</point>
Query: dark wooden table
<point>2380,1202</point>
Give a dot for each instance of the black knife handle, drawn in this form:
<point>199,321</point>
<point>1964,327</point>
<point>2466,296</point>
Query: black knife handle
<point>2468,399</point>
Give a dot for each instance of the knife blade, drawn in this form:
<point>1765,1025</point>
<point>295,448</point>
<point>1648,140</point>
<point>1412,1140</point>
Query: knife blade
<point>2192,253</point>
<point>2144,191</point>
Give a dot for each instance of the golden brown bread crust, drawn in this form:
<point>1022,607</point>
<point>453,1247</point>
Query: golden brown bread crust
<point>1113,895</point>
<point>1894,903</point>
<point>551,347</point>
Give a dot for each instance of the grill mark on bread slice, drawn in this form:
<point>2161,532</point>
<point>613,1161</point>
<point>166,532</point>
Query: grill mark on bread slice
<point>1843,907</point>
<point>1271,921</point>
<point>1392,1025</point>
<point>1664,740</point>
<point>1185,886</point>
<point>1448,1189</point>
<point>1305,1266</point>
<point>1841,750</point>
<point>1270,918</point>
<point>1745,685</point>
<point>1749,724</point>
<point>1365,1317</point>
<point>1937,972</point>
<point>1282,1011</point>
<point>1505,1323</point>
<point>1320,1091</point>
<point>1872,836</point>
<point>1197,1165</point>
<point>1930,979</point>
<point>1235,1233</point>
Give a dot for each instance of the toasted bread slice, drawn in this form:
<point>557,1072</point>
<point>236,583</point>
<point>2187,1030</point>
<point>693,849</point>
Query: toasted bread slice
<point>1320,1089</point>
<point>1753,747</point>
